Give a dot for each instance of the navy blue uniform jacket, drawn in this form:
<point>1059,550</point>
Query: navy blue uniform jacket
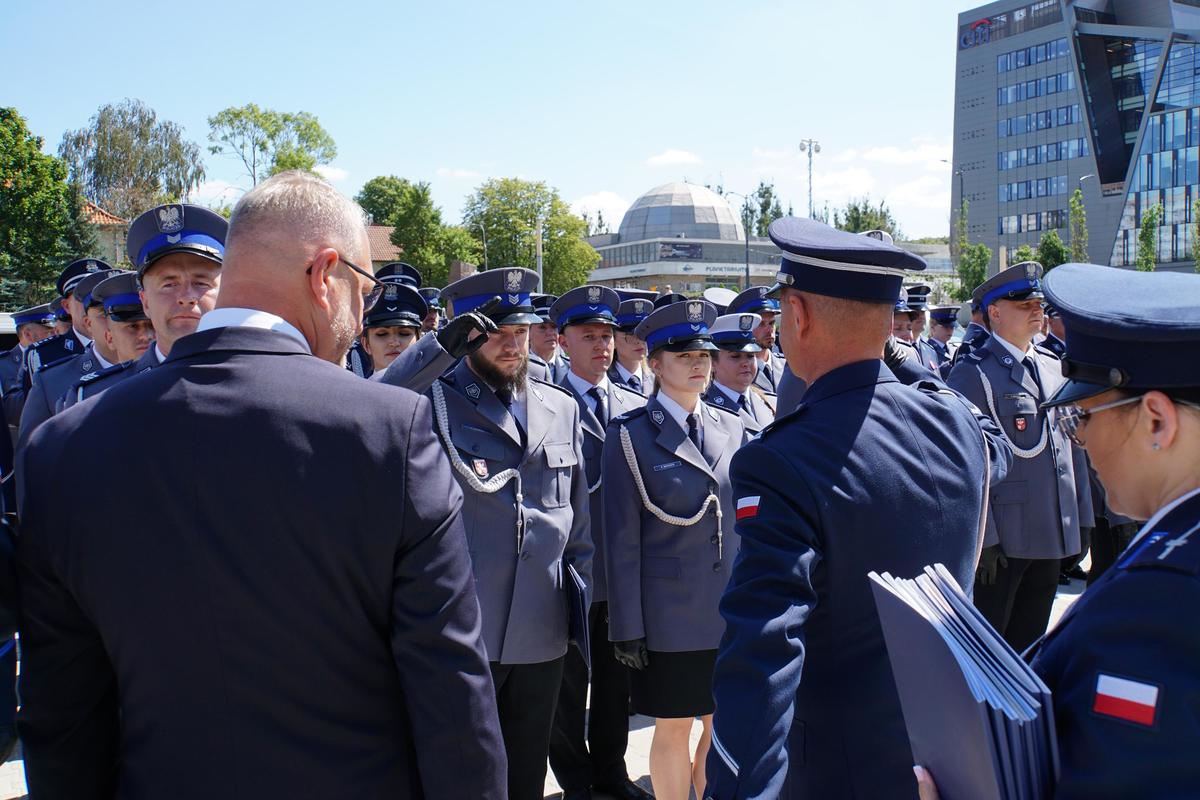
<point>867,474</point>
<point>281,607</point>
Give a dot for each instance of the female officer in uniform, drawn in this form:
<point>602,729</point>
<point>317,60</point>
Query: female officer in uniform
<point>669,541</point>
<point>393,324</point>
<point>1123,663</point>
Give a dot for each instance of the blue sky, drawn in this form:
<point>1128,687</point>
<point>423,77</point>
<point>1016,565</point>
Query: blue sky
<point>601,100</point>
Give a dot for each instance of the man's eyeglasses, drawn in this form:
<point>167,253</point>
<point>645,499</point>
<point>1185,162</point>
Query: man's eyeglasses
<point>371,297</point>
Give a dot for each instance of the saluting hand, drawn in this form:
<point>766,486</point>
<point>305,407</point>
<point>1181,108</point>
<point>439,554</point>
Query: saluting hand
<point>632,654</point>
<point>466,333</point>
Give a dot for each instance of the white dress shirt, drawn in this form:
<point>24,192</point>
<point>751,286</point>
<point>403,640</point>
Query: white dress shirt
<point>680,414</point>
<point>249,318</point>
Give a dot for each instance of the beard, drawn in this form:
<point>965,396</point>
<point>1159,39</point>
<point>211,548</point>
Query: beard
<point>497,378</point>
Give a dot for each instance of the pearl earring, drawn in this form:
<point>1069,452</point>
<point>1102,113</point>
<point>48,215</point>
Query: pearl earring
<point>1154,446</point>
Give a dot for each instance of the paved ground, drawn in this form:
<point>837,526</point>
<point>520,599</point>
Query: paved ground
<point>637,757</point>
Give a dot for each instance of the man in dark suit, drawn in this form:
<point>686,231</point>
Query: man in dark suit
<point>256,622</point>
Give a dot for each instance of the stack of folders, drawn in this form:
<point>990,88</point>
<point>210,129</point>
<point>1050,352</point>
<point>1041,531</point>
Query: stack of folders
<point>978,718</point>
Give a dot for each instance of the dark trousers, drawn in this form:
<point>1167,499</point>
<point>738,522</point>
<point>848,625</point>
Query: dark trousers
<point>525,698</point>
<point>1018,604</point>
<point>1108,542</point>
<point>599,758</point>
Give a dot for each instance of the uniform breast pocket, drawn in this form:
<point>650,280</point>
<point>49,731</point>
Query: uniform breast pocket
<point>1019,415</point>
<point>561,462</point>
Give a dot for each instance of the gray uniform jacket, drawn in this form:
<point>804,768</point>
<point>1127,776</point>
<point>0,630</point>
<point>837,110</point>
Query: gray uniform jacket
<point>518,548</point>
<point>11,388</point>
<point>48,387</point>
<point>620,401</point>
<point>667,580</point>
<point>1035,510</point>
<point>769,373</point>
<point>646,380</point>
<point>418,366</point>
<point>764,409</point>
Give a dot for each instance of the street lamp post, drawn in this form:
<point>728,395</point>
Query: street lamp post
<point>745,231</point>
<point>812,147</point>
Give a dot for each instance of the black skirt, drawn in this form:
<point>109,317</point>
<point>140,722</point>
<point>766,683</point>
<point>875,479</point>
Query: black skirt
<point>674,685</point>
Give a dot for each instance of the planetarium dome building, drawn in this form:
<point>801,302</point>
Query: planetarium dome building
<point>681,210</point>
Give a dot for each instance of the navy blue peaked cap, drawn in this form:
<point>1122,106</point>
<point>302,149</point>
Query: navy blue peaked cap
<point>176,228</point>
<point>432,295</point>
<point>42,315</point>
<point>1019,282</point>
<point>679,327</point>
<point>88,283</point>
<point>668,298</point>
<point>1125,329</point>
<point>633,294</point>
<point>513,285</point>
<point>400,304</point>
<point>944,315</point>
<point>405,273</point>
<point>754,300</point>
<point>823,260</point>
<point>541,305</point>
<point>118,294</point>
<point>586,304</point>
<point>76,271</point>
<point>633,311</point>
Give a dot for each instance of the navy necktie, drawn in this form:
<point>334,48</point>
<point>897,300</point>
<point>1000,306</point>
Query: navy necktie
<point>601,410</point>
<point>635,383</point>
<point>694,430</point>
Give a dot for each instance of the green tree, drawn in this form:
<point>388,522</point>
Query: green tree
<point>859,215</point>
<point>1022,253</point>
<point>507,211</point>
<point>1147,239</point>
<point>1079,231</point>
<point>127,160</point>
<point>764,207</point>
<point>455,243</point>
<point>958,242</point>
<point>35,214</point>
<point>267,141</point>
<point>1051,251</point>
<point>972,269</point>
<point>382,198</point>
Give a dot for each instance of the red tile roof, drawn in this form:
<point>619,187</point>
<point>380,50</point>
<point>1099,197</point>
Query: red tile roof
<point>98,216</point>
<point>382,248</point>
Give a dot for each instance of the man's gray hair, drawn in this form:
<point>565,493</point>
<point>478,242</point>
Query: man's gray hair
<point>300,202</point>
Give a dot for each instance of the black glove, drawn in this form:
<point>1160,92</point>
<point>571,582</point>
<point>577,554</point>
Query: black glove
<point>455,337</point>
<point>990,561</point>
<point>632,654</point>
<point>894,354</point>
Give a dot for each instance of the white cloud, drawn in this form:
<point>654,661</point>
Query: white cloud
<point>671,158</point>
<point>215,193</point>
<point>331,174</point>
<point>458,173</point>
<point>611,204</point>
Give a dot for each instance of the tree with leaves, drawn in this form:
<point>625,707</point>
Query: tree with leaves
<point>1051,251</point>
<point>42,218</point>
<point>972,269</point>
<point>859,215</point>
<point>509,211</point>
<point>1022,253</point>
<point>127,160</point>
<point>1078,230</point>
<point>268,141</point>
<point>959,240</point>
<point>1147,239</point>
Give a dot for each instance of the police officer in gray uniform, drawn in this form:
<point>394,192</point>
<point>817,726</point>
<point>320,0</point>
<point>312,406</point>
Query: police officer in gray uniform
<point>515,446</point>
<point>668,513</point>
<point>586,319</point>
<point>33,325</point>
<point>629,358</point>
<point>770,365</point>
<point>732,386</point>
<point>1034,518</point>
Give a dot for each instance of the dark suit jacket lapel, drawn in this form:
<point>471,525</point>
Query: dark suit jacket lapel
<point>672,438</point>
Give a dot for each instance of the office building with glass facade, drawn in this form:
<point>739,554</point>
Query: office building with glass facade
<point>1101,95</point>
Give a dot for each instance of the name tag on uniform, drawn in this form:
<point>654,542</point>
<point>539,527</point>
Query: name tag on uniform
<point>665,467</point>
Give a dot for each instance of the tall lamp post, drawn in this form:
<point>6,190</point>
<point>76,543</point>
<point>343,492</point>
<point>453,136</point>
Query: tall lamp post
<point>812,147</point>
<point>745,231</point>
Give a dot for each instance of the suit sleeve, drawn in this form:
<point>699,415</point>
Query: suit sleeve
<point>580,549</point>
<point>436,631</point>
<point>69,721</point>
<point>622,542</point>
<point>769,599</point>
<point>418,366</point>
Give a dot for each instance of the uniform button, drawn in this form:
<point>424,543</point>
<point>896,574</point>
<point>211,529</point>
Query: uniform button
<point>716,566</point>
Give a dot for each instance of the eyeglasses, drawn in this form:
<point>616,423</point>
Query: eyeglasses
<point>371,297</point>
<point>1071,418</point>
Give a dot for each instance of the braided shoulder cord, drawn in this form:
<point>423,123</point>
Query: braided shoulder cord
<point>1017,451</point>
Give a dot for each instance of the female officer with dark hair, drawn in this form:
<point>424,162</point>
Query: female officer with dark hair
<point>669,540</point>
<point>393,324</point>
<point>1123,664</point>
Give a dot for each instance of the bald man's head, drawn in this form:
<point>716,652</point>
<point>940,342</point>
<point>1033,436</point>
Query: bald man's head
<point>290,240</point>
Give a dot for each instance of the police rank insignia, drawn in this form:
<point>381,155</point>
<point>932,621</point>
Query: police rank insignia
<point>719,400</point>
<point>512,280</point>
<point>746,322</point>
<point>170,218</point>
<point>481,467</point>
<point>657,416</point>
<point>695,311</point>
<point>69,343</point>
<point>1021,423</point>
<point>593,294</point>
<point>472,391</point>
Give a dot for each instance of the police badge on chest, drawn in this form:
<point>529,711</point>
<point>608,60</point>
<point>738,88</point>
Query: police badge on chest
<point>481,467</point>
<point>1021,423</point>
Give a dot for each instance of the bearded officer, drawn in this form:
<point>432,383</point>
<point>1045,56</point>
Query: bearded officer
<point>515,446</point>
<point>805,701</point>
<point>733,369</point>
<point>1034,519</point>
<point>586,318</point>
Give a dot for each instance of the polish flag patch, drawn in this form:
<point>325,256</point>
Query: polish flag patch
<point>1124,699</point>
<point>748,507</point>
